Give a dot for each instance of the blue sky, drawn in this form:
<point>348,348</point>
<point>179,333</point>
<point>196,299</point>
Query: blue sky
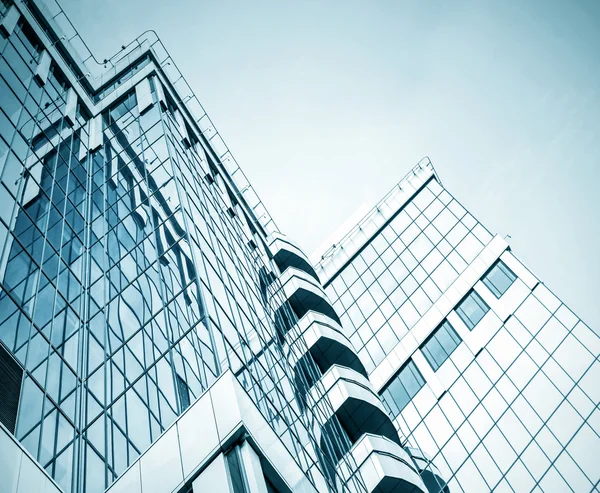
<point>326,105</point>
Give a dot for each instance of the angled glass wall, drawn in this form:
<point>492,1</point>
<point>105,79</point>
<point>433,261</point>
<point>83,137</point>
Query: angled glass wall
<point>483,369</point>
<point>132,271</point>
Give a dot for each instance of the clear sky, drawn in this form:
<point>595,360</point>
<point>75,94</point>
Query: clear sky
<point>327,104</point>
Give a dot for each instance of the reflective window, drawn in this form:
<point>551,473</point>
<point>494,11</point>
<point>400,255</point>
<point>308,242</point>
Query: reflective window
<point>499,278</point>
<point>402,388</point>
<point>472,309</point>
<point>440,345</point>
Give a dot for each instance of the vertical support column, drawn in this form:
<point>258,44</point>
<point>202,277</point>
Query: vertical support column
<point>214,478</point>
<point>253,469</point>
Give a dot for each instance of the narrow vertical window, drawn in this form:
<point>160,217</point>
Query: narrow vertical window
<point>184,393</point>
<point>236,473</point>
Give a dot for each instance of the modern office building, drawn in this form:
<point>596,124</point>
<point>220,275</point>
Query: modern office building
<point>483,369</point>
<point>159,334</point>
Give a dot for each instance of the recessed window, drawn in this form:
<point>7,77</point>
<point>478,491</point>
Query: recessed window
<point>440,345</point>
<point>499,278</point>
<point>402,388</point>
<point>472,309</point>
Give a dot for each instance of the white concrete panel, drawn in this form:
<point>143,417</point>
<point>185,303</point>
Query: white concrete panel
<point>214,479</point>
<point>10,463</point>
<point>32,185</point>
<point>227,414</point>
<point>519,269</point>
<point>251,466</point>
<point>160,93</point>
<point>428,373</point>
<point>198,438</point>
<point>128,482</point>
<point>160,466</point>
<point>31,477</point>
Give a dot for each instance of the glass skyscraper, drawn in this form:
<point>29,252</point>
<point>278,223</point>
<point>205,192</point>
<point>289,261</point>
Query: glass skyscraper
<point>158,333</point>
<point>483,369</point>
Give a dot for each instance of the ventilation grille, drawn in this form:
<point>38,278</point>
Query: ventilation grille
<point>11,375</point>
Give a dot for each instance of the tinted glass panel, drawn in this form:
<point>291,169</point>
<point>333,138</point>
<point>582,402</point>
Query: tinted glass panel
<point>440,345</point>
<point>499,278</point>
<point>472,309</point>
<point>403,387</point>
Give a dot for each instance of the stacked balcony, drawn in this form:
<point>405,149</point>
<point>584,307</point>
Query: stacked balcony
<point>338,389</point>
<point>382,465</point>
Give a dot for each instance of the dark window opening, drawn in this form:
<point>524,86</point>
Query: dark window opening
<point>11,376</point>
<point>184,393</point>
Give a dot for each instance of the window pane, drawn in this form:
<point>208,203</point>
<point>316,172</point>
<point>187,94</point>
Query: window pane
<point>402,388</point>
<point>499,278</point>
<point>440,345</point>
<point>472,309</point>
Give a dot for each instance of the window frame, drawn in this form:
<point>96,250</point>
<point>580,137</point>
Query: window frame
<point>488,283</point>
<point>462,314</point>
<point>421,381</point>
<point>428,354</point>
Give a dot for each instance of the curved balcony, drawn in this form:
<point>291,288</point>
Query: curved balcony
<point>382,466</point>
<point>324,340</point>
<point>286,254</point>
<point>350,397</point>
<point>304,294</point>
<point>429,472</point>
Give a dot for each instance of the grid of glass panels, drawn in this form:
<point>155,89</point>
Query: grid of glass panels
<point>382,292</point>
<point>519,415</point>
<point>129,281</point>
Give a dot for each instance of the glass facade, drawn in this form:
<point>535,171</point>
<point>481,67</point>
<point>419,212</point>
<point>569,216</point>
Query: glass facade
<point>137,266</point>
<point>483,369</point>
<point>133,270</point>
